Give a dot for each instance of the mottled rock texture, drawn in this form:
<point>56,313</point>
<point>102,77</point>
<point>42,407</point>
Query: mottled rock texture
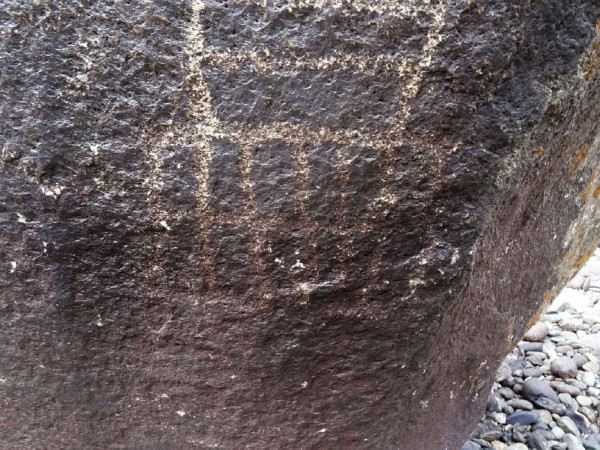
<point>283,224</point>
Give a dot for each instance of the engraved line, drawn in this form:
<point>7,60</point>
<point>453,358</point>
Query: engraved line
<point>397,127</point>
<point>207,128</point>
<point>406,7</point>
<point>301,181</point>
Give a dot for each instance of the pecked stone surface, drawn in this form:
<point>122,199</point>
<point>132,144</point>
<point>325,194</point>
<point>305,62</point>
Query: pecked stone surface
<point>243,224</point>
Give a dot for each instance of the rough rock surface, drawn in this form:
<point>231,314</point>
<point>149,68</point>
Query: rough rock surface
<point>283,224</point>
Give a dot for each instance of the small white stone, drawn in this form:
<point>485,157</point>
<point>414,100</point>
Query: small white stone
<point>591,366</point>
<point>499,417</point>
<point>497,445</point>
<point>567,424</point>
<point>517,446</point>
<point>593,391</point>
<point>583,400</point>
<point>181,413</point>
<point>557,432</point>
<point>588,378</point>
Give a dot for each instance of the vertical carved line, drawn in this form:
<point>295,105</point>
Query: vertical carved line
<point>397,129</point>
<point>250,217</point>
<point>206,129</point>
<point>302,173</point>
<point>344,229</point>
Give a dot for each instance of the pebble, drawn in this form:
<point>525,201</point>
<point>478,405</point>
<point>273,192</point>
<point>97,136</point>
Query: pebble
<point>532,372</point>
<point>537,441</point>
<point>590,413</point>
<point>591,444</point>
<point>564,349</point>
<point>572,442</point>
<point>532,346</point>
<point>591,366</point>
<point>583,400</point>
<point>518,436</point>
<point>578,384</point>
<point>506,393</point>
<point>470,445</point>
<point>567,400</point>
<point>580,360</point>
<point>578,419</point>
<point>517,447</point>
<point>565,388</point>
<point>567,424</point>
<point>572,325</point>
<point>537,333</point>
<point>550,405</point>
<point>564,367</point>
<point>519,403</point>
<point>588,378</point>
<point>591,342</point>
<point>491,435</point>
<point>498,417</point>
<point>536,358</point>
<point>545,416</point>
<point>504,372</point>
<point>523,418</point>
<point>593,391</point>
<point>557,432</point>
<point>493,403</point>
<point>497,445</point>
<point>535,388</point>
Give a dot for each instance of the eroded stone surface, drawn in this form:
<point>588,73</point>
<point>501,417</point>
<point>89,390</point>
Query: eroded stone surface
<point>283,224</point>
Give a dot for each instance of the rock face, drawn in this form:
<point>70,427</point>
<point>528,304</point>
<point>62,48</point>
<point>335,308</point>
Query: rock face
<point>247,224</point>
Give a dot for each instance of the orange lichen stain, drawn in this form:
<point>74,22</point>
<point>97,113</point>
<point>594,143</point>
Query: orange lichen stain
<point>536,317</point>
<point>536,152</point>
<point>594,56</point>
<point>546,299</point>
<point>598,27</point>
<point>510,341</point>
<point>511,324</point>
<point>549,296</point>
<point>583,258</point>
<point>578,158</point>
<point>596,192</point>
<point>589,187</point>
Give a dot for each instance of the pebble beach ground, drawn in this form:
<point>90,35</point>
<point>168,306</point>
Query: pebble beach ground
<point>547,390</point>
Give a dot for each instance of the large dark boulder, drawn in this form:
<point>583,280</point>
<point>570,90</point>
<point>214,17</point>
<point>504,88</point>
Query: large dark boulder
<point>283,224</point>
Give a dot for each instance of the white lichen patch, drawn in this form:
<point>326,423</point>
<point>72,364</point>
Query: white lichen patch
<point>52,190</point>
<point>414,282</point>
<point>455,256</point>
<point>297,265</point>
